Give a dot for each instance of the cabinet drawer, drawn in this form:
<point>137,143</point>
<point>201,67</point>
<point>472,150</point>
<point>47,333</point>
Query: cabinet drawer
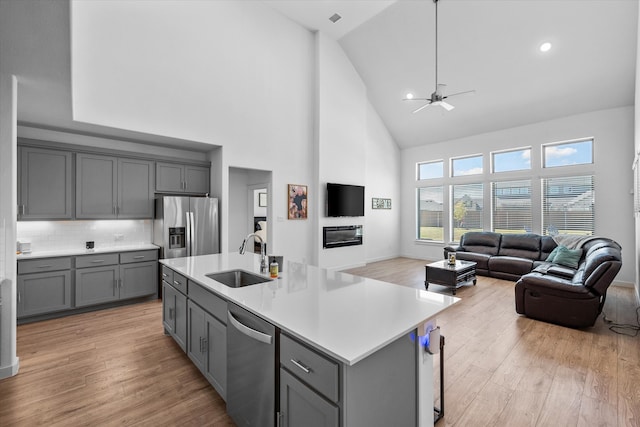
<point>167,275</point>
<point>179,282</point>
<point>207,300</point>
<point>311,367</point>
<point>43,264</point>
<point>138,256</point>
<point>96,260</point>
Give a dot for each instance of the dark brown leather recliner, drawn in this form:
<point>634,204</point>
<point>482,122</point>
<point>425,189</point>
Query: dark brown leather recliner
<point>571,300</point>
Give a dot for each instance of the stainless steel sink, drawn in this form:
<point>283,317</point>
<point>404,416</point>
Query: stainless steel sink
<point>237,278</point>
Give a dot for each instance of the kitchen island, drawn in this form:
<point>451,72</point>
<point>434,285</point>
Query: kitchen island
<point>360,325</point>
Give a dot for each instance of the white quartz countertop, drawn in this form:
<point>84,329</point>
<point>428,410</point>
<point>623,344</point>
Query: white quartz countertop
<point>348,317</point>
<point>83,251</point>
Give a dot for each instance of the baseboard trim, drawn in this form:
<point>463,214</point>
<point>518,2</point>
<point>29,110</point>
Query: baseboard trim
<point>11,370</point>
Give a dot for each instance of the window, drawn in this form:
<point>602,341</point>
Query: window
<point>466,209</point>
<point>568,205</point>
<point>430,225</point>
<point>511,206</point>
<point>429,170</point>
<point>514,160</point>
<point>466,166</point>
<point>568,153</point>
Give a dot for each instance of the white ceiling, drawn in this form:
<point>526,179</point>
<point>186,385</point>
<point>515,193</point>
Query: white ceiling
<point>314,14</point>
<point>490,46</point>
<point>486,45</point>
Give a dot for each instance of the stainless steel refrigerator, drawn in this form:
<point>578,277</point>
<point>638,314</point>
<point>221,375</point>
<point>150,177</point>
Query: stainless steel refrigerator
<point>186,226</point>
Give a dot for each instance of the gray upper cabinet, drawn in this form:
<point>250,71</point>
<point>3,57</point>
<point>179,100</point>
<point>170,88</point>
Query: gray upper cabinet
<point>135,189</point>
<point>45,189</point>
<point>96,186</point>
<point>177,178</point>
<point>110,187</point>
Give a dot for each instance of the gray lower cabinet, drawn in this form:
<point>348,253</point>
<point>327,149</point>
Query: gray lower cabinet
<point>40,293</point>
<point>207,346</point>
<point>138,279</point>
<point>301,406</point>
<point>97,285</point>
<point>45,180</point>
<point>309,386</point>
<point>103,278</point>
<point>44,286</point>
<point>174,314</point>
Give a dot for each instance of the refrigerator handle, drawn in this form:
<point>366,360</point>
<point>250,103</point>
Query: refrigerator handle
<point>193,234</point>
<point>188,233</point>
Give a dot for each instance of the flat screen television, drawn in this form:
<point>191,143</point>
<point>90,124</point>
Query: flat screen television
<point>345,200</point>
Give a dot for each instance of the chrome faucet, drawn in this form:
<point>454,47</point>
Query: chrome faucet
<point>263,258</point>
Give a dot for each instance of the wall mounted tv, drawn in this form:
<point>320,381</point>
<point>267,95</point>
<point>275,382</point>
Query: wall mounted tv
<point>345,200</point>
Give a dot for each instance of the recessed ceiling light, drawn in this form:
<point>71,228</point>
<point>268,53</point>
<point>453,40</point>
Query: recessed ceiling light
<point>409,96</point>
<point>545,47</point>
<point>335,18</point>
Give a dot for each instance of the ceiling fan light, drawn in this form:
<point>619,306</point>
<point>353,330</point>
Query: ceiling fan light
<point>545,47</point>
<point>409,96</point>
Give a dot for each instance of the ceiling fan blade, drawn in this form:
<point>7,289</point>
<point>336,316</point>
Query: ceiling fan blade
<point>422,108</point>
<point>459,93</point>
<point>446,106</point>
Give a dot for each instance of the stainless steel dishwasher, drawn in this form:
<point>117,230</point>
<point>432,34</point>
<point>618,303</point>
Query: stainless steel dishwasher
<point>251,368</point>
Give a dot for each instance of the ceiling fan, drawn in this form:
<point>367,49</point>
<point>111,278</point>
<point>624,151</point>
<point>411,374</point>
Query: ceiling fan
<point>437,97</point>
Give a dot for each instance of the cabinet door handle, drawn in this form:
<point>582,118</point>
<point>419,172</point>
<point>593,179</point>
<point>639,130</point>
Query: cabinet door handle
<point>142,257</point>
<point>201,345</point>
<point>97,260</point>
<point>45,266</point>
<point>19,296</point>
<point>121,283</point>
<point>171,313</point>
<point>175,282</point>
<point>165,275</point>
<point>301,366</point>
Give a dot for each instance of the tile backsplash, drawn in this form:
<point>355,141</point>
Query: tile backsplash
<point>64,235</point>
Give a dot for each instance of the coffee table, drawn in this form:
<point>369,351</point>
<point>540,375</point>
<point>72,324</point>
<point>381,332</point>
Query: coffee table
<point>453,276</point>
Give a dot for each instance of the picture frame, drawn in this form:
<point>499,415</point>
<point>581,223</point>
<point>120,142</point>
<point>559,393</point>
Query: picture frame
<point>379,203</point>
<point>297,198</point>
<point>262,200</point>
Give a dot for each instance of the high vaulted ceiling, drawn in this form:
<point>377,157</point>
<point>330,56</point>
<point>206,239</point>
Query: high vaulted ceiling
<point>490,46</point>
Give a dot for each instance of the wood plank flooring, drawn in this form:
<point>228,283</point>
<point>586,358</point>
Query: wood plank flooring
<point>502,369</point>
<point>116,367</point>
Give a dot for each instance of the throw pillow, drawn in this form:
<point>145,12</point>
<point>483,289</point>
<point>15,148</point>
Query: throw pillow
<point>553,254</point>
<point>568,257</point>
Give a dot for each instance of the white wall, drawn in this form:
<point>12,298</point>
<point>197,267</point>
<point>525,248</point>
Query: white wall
<point>234,74</point>
<point>612,131</point>
<point>342,149</point>
<point>239,75</point>
<point>382,229</point>
<point>8,195</point>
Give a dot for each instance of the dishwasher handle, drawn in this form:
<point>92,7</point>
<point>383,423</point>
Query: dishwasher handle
<point>251,333</point>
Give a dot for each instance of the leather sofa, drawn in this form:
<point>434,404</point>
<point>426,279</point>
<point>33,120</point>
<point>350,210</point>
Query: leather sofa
<point>568,295</point>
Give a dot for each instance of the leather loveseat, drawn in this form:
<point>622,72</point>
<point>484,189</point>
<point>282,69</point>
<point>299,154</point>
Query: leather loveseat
<point>569,292</point>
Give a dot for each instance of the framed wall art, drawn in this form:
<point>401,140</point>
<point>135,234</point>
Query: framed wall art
<point>262,200</point>
<point>377,203</point>
<point>297,206</point>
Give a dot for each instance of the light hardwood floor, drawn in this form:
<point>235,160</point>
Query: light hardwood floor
<point>116,367</point>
